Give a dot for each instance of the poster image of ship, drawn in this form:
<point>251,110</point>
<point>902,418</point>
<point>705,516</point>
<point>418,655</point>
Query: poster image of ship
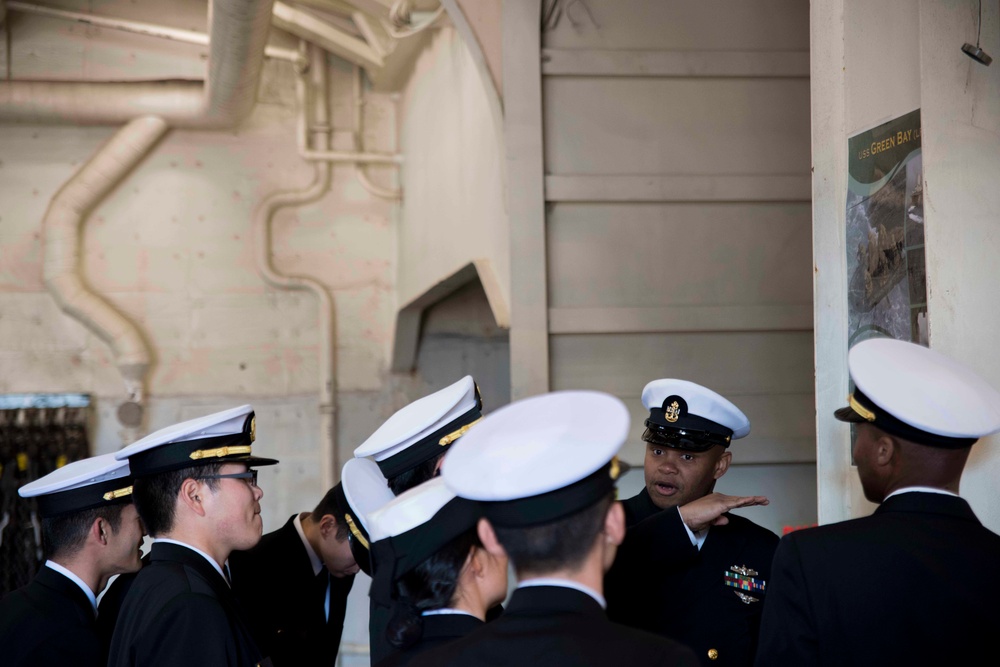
<point>886,271</point>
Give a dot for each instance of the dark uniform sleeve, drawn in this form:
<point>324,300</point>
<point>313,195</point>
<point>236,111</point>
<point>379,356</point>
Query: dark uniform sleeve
<point>788,630</point>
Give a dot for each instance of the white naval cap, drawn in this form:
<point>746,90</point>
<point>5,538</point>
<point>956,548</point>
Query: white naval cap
<point>221,437</point>
<point>362,490</point>
<point>541,458</point>
<point>919,394</point>
<point>413,527</point>
<point>421,430</point>
<point>688,416</point>
<point>81,485</point>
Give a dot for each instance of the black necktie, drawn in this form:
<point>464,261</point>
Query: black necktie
<point>322,582</point>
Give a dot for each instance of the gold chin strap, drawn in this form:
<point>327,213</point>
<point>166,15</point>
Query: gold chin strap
<point>860,409</point>
<point>354,531</point>
<point>219,452</point>
<point>118,493</point>
<point>455,435</point>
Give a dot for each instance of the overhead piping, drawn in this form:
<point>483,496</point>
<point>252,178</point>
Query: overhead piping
<point>366,182</point>
<point>142,28</point>
<point>321,131</point>
<point>237,36</point>
<point>62,246</point>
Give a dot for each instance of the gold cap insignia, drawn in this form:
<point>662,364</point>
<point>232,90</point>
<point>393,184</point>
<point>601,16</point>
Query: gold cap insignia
<point>860,409</point>
<point>253,428</point>
<point>672,412</point>
<point>118,493</point>
<point>615,469</point>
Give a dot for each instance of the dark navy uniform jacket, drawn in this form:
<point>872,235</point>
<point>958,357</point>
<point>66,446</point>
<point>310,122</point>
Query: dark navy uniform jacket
<point>180,611</point>
<point>662,583</point>
<point>438,631</point>
<point>915,583</point>
<point>555,626</point>
<point>275,583</point>
<point>49,622</point>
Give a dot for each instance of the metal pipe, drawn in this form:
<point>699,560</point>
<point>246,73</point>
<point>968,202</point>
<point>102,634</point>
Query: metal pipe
<point>62,247</point>
<point>238,32</point>
<point>329,456</point>
<point>362,174</point>
<point>142,28</point>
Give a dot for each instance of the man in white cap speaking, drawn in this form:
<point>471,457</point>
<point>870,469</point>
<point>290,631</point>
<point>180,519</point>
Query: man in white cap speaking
<point>196,491</point>
<point>915,582</point>
<point>544,469</point>
<point>90,531</point>
<point>687,569</point>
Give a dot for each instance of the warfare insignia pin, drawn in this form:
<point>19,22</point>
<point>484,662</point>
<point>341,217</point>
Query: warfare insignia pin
<point>746,599</point>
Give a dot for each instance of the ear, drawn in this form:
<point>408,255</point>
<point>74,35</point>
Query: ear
<point>614,524</point>
<point>886,448</point>
<point>489,538</point>
<point>328,526</point>
<point>192,495</point>
<point>722,465</point>
<point>476,562</point>
<point>99,530</point>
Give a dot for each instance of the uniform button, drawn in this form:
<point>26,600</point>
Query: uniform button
<point>713,654</point>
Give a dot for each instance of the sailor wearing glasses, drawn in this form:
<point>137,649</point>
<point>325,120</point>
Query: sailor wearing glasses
<point>197,494</point>
<point>688,569</point>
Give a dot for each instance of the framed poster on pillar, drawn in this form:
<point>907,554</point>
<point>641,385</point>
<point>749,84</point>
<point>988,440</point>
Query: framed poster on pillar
<point>886,270</point>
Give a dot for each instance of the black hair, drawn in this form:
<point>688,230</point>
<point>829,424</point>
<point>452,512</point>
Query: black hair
<point>65,535</point>
<point>560,544</point>
<point>156,496</point>
<point>330,504</point>
<point>430,585</point>
<point>415,476</point>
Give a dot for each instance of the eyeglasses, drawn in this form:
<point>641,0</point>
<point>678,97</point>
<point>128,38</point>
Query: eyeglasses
<point>249,475</point>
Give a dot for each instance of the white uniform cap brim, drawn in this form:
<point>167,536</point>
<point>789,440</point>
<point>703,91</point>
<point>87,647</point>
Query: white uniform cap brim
<point>410,509</point>
<point>365,488</point>
<point>701,401</point>
<point>537,445</point>
<point>226,422</point>
<point>924,388</point>
<point>77,475</point>
<point>420,418</point>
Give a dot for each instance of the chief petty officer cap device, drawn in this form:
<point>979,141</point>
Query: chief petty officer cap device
<point>423,429</point>
<point>688,416</point>
<point>221,437</point>
<point>919,394</point>
<point>542,458</point>
<point>413,527</point>
<point>98,481</point>
<point>362,490</point>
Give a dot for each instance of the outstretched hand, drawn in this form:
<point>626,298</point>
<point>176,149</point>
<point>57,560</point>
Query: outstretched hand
<point>710,510</point>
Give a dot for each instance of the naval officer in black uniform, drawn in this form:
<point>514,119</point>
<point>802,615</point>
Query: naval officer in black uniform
<point>197,493</point>
<point>699,582</point>
<point>90,531</point>
<point>914,583</point>
<point>294,584</point>
<point>432,570</point>
<point>545,469</point>
<point>409,448</point>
